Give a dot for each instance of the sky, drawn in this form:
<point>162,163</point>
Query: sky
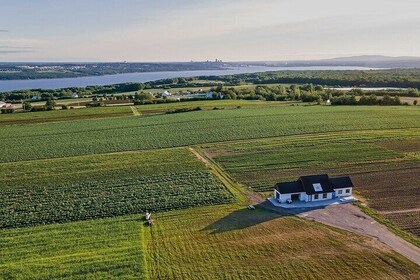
<point>184,30</point>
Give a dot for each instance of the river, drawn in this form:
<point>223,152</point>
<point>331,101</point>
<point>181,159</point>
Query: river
<point>143,77</point>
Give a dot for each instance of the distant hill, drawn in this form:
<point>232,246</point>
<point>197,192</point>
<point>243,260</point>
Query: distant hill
<point>374,61</point>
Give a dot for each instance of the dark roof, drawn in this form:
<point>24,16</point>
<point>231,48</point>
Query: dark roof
<point>341,182</point>
<point>314,184</point>
<point>309,183</point>
<point>289,187</point>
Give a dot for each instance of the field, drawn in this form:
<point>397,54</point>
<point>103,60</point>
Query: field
<point>215,242</point>
<point>71,189</point>
<point>153,132</point>
<point>74,192</point>
<point>383,164</point>
<point>65,115</point>
<point>100,249</point>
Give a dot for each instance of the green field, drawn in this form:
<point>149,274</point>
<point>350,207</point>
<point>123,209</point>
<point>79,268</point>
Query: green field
<point>64,115</point>
<point>383,164</point>
<point>101,249</point>
<point>215,242</point>
<point>74,191</point>
<point>63,190</point>
<point>162,131</point>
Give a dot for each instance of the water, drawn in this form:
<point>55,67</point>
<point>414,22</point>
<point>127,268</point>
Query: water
<point>147,77</point>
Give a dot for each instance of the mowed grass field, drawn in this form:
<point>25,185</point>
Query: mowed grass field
<point>88,187</point>
<point>383,164</point>
<point>163,131</point>
<point>214,242</point>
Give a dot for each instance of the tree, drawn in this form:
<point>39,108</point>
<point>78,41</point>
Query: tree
<point>415,102</point>
<point>27,106</point>
<point>49,105</point>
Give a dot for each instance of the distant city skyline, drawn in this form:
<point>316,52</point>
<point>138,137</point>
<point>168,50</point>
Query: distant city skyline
<point>185,30</point>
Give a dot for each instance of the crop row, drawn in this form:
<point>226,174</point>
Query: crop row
<point>42,205</point>
<point>408,221</point>
<point>36,141</point>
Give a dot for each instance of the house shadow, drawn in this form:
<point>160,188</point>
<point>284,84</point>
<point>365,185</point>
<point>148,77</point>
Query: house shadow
<point>244,218</point>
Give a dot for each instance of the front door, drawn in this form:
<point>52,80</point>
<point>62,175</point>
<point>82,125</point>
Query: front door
<point>333,195</point>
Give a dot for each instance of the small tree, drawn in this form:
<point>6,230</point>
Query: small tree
<point>50,104</point>
<point>27,106</point>
<point>415,102</point>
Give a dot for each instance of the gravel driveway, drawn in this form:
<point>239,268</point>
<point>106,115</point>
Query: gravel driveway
<point>351,218</point>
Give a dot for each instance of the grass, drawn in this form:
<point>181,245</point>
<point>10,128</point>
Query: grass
<point>214,242</point>
<point>101,249</point>
<point>64,115</point>
<point>104,186</point>
<point>232,242</point>
<point>207,105</point>
<point>133,133</point>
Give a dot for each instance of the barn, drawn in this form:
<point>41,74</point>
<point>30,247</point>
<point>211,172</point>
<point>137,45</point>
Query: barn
<point>313,188</point>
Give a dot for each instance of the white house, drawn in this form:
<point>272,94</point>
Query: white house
<point>313,188</point>
<point>166,93</point>
<point>74,95</point>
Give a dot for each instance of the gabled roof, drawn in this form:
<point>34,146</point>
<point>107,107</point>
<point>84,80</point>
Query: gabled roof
<point>289,187</point>
<point>341,182</point>
<point>314,184</point>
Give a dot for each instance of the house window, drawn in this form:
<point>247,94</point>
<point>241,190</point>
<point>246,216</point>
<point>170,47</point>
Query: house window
<point>348,191</point>
<point>340,191</point>
<point>316,196</point>
<point>324,195</point>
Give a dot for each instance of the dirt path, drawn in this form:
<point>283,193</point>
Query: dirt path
<point>251,196</point>
<point>135,112</point>
<point>351,218</point>
<point>400,211</point>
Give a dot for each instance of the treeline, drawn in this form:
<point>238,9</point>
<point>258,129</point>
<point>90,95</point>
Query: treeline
<point>309,93</point>
<point>89,91</point>
<point>404,78</point>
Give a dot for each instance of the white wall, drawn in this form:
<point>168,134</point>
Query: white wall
<point>320,197</point>
<point>286,196</point>
<point>343,192</point>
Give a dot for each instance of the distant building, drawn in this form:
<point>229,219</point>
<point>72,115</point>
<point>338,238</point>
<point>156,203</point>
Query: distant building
<point>166,94</point>
<point>74,95</point>
<point>313,188</point>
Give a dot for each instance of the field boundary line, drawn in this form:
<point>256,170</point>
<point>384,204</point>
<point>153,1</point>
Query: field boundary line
<point>238,190</point>
<point>399,211</point>
<point>135,112</point>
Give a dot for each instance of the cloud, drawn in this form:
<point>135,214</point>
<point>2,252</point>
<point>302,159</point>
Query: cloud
<point>4,30</point>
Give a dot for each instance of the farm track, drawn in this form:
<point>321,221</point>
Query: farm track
<point>399,211</point>
<point>135,112</point>
<point>238,190</point>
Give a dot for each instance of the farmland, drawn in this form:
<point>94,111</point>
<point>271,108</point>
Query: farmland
<point>383,165</point>
<point>64,115</point>
<point>103,186</point>
<point>73,193</point>
<point>213,242</point>
<point>152,132</point>
<point>111,249</point>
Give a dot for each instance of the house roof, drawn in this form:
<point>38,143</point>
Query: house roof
<point>341,182</point>
<point>314,184</point>
<point>289,187</point>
